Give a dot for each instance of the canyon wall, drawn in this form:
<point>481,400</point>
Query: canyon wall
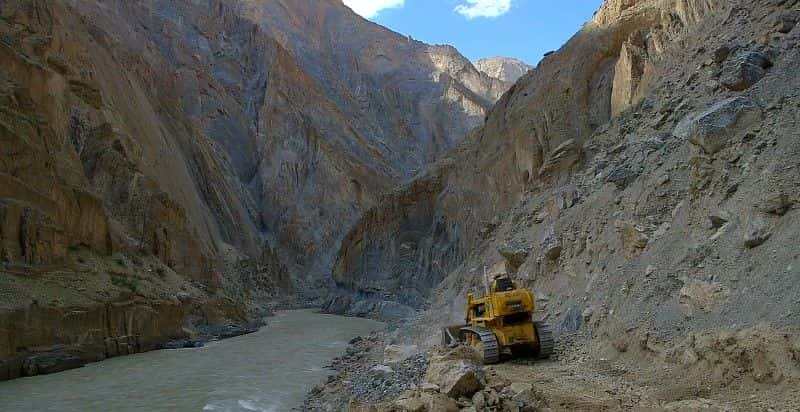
<point>210,149</point>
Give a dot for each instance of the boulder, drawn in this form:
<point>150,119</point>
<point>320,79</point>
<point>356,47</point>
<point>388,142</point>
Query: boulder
<point>702,296</point>
<point>423,402</point>
<point>756,232</point>
<point>354,406</point>
<point>622,177</point>
<point>479,400</point>
<point>514,255</point>
<point>455,377</point>
<point>712,129</point>
<point>552,246</point>
<point>396,353</point>
<point>748,68</point>
<point>492,398</point>
<point>384,369</point>
<point>410,404</point>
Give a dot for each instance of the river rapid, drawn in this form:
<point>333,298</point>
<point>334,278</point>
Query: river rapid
<point>270,370</point>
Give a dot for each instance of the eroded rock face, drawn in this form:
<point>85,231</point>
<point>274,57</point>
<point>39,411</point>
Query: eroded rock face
<point>635,69</point>
<point>278,117</point>
<point>380,257</point>
<point>94,333</point>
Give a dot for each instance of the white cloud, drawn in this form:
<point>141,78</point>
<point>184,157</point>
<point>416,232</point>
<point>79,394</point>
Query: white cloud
<point>483,8</point>
<point>371,8</point>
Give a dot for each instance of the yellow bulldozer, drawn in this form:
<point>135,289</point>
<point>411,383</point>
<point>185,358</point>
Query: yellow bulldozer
<point>501,323</point>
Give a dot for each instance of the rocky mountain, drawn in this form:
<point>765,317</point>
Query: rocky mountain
<point>169,166</point>
<point>507,69</point>
<point>642,180</point>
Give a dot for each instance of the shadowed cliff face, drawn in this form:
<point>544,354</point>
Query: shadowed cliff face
<point>217,146</point>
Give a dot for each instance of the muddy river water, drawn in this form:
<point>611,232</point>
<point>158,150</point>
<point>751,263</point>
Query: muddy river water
<point>270,370</point>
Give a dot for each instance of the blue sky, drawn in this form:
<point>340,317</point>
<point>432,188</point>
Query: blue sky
<point>525,29</point>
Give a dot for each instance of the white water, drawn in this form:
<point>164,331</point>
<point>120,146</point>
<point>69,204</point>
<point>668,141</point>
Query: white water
<point>270,370</point>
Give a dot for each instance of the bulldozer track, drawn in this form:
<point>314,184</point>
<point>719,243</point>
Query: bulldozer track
<point>491,349</point>
<point>546,341</point>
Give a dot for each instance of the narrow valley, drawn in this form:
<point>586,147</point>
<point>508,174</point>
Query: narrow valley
<point>279,205</point>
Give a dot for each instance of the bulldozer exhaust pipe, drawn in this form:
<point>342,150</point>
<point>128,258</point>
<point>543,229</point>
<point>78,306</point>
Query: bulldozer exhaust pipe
<point>485,282</point>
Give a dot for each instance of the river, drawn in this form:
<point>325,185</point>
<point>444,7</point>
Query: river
<point>270,370</point>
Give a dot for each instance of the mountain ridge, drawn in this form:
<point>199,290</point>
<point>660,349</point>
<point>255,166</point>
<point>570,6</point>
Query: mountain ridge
<point>507,69</point>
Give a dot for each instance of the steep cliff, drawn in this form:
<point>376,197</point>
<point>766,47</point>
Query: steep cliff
<point>214,150</point>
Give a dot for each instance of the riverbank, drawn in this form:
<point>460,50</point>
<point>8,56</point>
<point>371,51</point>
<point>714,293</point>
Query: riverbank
<point>74,336</point>
<point>369,371</point>
<point>94,308</point>
<point>271,369</point>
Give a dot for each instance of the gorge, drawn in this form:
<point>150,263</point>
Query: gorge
<point>172,171</point>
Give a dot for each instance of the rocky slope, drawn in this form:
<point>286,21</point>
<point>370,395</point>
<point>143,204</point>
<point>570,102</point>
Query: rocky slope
<point>643,181</point>
<point>169,164</point>
<point>752,369</point>
<point>507,69</point>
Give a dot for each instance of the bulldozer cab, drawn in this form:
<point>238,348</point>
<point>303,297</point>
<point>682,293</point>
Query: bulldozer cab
<point>502,283</point>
